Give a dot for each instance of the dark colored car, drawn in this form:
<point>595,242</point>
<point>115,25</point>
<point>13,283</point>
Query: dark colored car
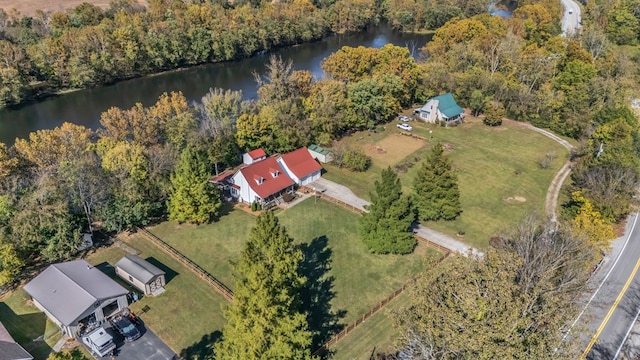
<point>126,328</point>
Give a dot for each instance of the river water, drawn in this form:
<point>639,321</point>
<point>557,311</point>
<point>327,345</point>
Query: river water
<point>85,106</point>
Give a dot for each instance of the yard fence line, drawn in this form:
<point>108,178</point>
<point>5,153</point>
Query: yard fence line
<point>202,273</point>
<point>432,244</point>
<point>373,310</point>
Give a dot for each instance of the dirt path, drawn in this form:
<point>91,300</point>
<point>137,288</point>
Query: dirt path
<point>551,202</point>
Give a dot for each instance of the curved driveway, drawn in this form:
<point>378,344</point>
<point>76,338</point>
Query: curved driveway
<point>571,18</point>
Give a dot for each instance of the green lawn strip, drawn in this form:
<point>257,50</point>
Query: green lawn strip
<point>211,246</point>
<point>376,332</point>
<point>26,323</point>
<point>360,279</point>
<point>493,165</point>
<point>188,315</point>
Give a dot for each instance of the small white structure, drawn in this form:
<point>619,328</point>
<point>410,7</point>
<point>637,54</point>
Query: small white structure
<point>253,156</point>
<point>321,154</point>
<point>75,292</point>
<point>142,274</point>
<point>441,108</point>
<point>300,166</point>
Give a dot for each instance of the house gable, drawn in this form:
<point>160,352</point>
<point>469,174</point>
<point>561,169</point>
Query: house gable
<point>299,164</point>
<point>259,178</point>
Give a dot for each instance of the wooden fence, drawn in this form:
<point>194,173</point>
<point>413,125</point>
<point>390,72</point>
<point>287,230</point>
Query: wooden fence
<point>373,310</point>
<point>202,273</point>
<point>432,244</point>
<point>340,203</point>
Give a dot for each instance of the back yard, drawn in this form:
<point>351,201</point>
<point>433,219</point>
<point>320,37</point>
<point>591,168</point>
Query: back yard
<point>499,171</point>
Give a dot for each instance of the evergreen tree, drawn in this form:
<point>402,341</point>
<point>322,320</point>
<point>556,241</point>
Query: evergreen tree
<point>386,227</point>
<point>265,320</point>
<point>192,199</point>
<point>436,188</point>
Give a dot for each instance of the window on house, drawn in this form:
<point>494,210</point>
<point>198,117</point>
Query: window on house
<point>130,278</point>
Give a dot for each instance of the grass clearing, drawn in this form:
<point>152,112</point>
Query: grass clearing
<point>392,149</point>
<point>345,279</point>
<point>188,315</point>
<point>26,323</point>
<point>498,168</point>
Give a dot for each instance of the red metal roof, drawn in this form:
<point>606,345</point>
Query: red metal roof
<point>300,162</point>
<point>257,153</point>
<point>270,185</point>
<point>223,177</point>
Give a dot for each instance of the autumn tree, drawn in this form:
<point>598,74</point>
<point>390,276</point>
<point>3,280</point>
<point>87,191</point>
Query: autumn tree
<point>511,303</point>
<point>265,320</point>
<point>193,199</point>
<point>589,223</point>
<point>436,187</point>
<point>493,113</point>
<point>386,227</point>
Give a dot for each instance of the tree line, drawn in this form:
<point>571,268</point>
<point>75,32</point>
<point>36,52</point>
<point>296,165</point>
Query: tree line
<point>88,46</point>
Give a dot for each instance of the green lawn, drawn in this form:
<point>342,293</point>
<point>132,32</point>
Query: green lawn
<point>188,315</point>
<point>376,333</point>
<point>499,176</point>
<point>26,323</point>
<point>345,279</point>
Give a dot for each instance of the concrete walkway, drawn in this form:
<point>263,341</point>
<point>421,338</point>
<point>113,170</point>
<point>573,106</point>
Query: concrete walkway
<point>344,194</point>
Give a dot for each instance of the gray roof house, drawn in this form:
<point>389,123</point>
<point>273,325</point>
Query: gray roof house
<point>142,274</point>
<point>75,293</point>
<point>9,348</point>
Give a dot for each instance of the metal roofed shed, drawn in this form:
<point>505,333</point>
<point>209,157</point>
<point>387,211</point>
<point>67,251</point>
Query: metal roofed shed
<point>319,153</point>
<point>75,292</point>
<point>142,274</point>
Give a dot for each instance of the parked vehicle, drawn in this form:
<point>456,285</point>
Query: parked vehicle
<point>406,127</point>
<point>404,118</point>
<point>99,342</point>
<point>124,325</point>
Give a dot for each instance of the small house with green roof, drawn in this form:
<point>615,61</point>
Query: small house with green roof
<point>441,108</point>
<point>319,153</point>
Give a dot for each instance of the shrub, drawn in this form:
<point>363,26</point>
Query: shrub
<point>254,206</point>
<point>356,160</point>
<point>493,113</point>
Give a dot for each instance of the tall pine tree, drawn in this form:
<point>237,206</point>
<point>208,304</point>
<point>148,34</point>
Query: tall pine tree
<point>386,228</point>
<point>436,188</point>
<point>266,320</point>
<point>193,199</point>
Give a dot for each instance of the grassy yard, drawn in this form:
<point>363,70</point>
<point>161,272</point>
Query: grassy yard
<point>376,333</point>
<point>188,315</point>
<point>499,176</point>
<point>345,279</point>
<point>26,323</point>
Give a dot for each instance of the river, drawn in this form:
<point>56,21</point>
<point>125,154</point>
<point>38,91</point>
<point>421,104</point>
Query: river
<point>85,106</point>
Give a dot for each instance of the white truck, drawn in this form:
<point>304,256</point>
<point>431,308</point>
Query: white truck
<point>99,342</point>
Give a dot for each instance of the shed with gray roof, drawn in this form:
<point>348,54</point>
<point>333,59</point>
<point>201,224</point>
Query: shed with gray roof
<point>74,293</point>
<point>142,274</point>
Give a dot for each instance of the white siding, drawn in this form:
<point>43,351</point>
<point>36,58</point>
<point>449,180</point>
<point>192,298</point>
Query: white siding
<point>310,178</point>
<point>247,195</point>
<point>290,174</point>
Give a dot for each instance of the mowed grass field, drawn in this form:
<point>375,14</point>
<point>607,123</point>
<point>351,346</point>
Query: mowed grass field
<point>498,168</point>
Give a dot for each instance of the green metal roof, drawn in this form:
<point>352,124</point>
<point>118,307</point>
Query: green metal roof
<point>448,105</point>
<point>318,149</point>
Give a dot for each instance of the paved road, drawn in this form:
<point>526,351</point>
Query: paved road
<point>571,18</point>
<point>612,309</point>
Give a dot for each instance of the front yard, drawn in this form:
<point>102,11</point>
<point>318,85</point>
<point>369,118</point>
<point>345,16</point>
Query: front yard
<point>500,178</point>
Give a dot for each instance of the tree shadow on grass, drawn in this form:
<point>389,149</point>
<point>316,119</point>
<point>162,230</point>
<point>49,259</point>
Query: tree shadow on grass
<point>202,349</point>
<point>27,330</point>
<point>318,292</point>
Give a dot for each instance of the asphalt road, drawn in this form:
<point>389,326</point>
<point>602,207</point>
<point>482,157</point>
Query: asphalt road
<point>614,304</point>
<point>571,18</point>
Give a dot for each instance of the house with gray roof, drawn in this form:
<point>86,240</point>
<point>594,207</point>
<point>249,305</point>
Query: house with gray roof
<point>441,108</point>
<point>75,293</point>
<point>142,274</point>
<point>9,348</point>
